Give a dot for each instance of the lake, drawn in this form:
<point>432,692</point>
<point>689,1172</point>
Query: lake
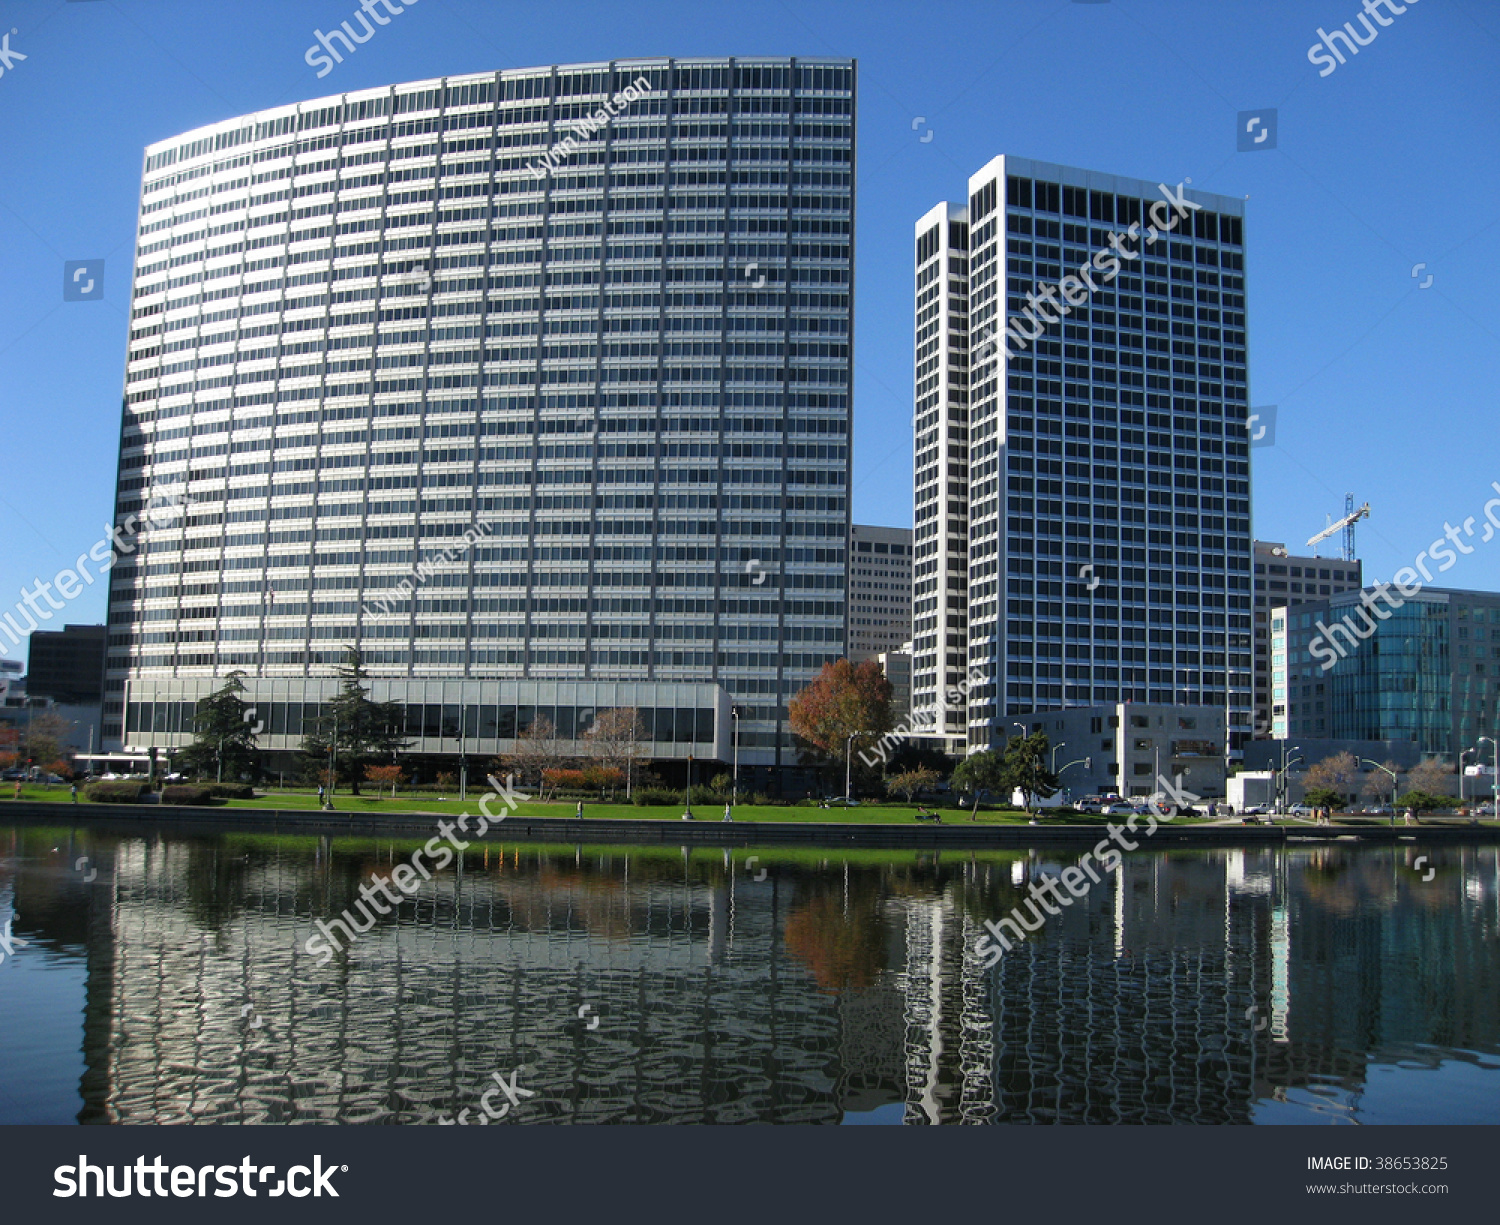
<point>168,979</point>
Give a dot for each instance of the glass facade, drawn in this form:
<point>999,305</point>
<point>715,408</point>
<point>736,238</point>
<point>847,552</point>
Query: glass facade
<point>1420,668</point>
<point>534,374</point>
<point>1083,499</point>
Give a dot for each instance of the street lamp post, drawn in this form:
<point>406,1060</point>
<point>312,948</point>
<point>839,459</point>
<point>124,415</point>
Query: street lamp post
<point>1063,745</point>
<point>734,714</point>
<point>332,762</point>
<point>1461,757</point>
<point>1086,762</point>
<point>1495,744</point>
<point>1281,778</point>
<point>463,760</point>
<point>848,761</point>
<point>1365,761</point>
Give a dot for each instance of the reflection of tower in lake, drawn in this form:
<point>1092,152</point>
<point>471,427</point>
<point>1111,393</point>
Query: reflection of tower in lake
<point>1187,987</point>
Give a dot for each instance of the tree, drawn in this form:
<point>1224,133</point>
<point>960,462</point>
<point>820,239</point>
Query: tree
<point>909,782</point>
<point>358,731</point>
<point>380,775</point>
<point>1336,774</point>
<point>46,737</point>
<point>1325,797</point>
<point>10,746</point>
<point>1024,767</point>
<point>1380,784</point>
<point>224,735</point>
<point>538,751</point>
<point>845,700</point>
<point>613,737</point>
<point>979,772</point>
<point>1423,801</point>
<point>1430,776</point>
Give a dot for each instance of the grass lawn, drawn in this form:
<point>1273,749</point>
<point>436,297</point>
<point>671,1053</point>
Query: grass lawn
<point>865,814</point>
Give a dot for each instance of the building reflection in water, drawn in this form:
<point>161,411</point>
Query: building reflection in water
<point>1191,987</point>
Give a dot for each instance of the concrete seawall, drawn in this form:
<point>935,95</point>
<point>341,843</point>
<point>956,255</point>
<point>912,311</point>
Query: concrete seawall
<point>957,835</point>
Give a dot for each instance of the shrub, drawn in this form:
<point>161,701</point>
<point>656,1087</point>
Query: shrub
<point>564,780</point>
<point>185,793</point>
<point>231,791</point>
<point>113,792</point>
<point>651,797</point>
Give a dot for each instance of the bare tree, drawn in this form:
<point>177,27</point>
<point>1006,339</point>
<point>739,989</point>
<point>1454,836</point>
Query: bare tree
<point>537,750</point>
<point>613,738</point>
<point>46,737</point>
<point>1432,776</point>
<point>1336,773</point>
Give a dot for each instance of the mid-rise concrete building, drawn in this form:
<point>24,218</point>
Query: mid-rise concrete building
<point>897,668</point>
<point>879,590</point>
<point>1082,524</point>
<point>1125,748</point>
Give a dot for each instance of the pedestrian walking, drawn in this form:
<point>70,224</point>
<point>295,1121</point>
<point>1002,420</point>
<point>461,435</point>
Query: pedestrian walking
<point>18,789</point>
<point>322,800</point>
<point>728,813</point>
<point>580,810</point>
<point>1411,816</point>
<point>73,790</point>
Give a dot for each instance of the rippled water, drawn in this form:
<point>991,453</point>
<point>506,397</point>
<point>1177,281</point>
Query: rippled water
<point>1325,983</point>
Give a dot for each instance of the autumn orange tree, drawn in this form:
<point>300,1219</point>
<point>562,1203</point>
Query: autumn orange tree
<point>847,699</point>
<point>381,775</point>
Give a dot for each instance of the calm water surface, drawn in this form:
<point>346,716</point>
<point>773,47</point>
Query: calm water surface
<point>1327,983</point>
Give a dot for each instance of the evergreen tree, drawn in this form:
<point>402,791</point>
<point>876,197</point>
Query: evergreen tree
<point>224,735</point>
<point>359,732</point>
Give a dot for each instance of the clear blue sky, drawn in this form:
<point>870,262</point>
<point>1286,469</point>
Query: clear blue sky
<point>1384,389</point>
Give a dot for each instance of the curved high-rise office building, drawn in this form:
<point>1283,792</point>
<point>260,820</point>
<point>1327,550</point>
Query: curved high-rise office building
<point>535,385</point>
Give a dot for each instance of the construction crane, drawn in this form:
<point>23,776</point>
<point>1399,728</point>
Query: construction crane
<point>1346,524</point>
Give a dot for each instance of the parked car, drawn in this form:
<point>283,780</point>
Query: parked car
<point>1096,803</point>
<point>11,776</point>
<point>1299,810</point>
<point>841,801</point>
<point>1255,810</point>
